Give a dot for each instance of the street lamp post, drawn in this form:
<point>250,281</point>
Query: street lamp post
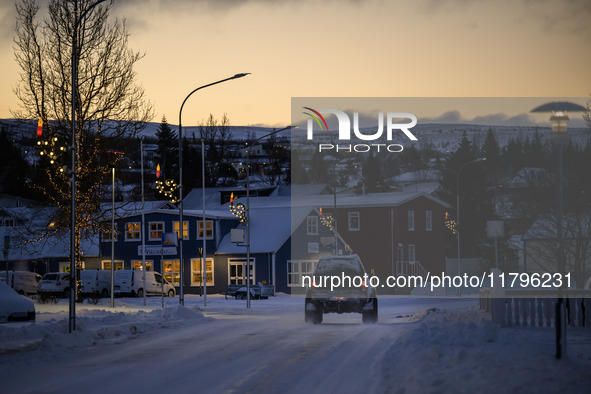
<point>559,120</point>
<point>247,220</point>
<point>181,230</point>
<point>72,312</point>
<point>248,211</point>
<point>458,212</point>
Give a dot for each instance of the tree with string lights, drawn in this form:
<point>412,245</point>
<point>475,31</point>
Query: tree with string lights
<point>110,107</point>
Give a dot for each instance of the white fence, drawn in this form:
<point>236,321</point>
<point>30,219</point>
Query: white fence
<point>525,308</point>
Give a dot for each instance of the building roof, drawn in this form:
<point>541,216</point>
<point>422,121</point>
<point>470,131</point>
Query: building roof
<point>271,229</point>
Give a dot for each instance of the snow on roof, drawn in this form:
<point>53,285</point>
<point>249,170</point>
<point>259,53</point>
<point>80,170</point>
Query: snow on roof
<point>131,208</point>
<point>418,176</point>
<point>545,227</point>
<point>269,225</point>
<point>530,177</point>
<point>343,200</point>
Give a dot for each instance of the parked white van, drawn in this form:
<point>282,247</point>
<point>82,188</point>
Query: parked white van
<point>23,282</point>
<point>131,283</point>
<point>95,282</point>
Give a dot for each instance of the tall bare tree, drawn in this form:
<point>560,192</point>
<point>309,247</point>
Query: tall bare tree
<point>216,136</point>
<point>110,107</point>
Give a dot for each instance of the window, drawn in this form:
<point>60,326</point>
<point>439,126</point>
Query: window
<point>107,233</point>
<point>428,220</point>
<point>137,265</point>
<point>156,231</point>
<point>208,229</point>
<point>132,231</point>
<point>297,269</point>
<point>172,271</point>
<point>354,223</point>
<point>312,225</point>
<point>8,222</point>
<point>175,228</point>
<point>106,265</point>
<point>65,266</point>
<point>411,253</point>
<point>196,279</point>
<point>237,271</point>
<point>411,220</point>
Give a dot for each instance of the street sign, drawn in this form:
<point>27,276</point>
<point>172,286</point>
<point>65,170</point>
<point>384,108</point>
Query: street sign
<point>155,250</point>
<point>495,229</point>
<point>169,243</point>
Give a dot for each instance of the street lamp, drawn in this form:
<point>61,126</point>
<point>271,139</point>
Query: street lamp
<point>458,213</point>
<point>559,120</point>
<point>247,221</point>
<point>181,230</point>
<point>72,313</point>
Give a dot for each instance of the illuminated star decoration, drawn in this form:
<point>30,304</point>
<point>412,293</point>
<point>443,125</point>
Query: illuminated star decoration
<point>327,220</point>
<point>238,210</point>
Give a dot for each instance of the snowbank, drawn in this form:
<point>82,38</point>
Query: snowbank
<point>462,351</point>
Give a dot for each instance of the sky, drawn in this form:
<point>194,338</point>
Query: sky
<point>350,48</point>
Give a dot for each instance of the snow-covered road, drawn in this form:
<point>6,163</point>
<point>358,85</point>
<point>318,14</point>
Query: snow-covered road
<point>225,348</point>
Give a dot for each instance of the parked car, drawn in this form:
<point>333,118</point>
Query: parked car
<point>259,291</point>
<point>13,306</point>
<point>95,283</point>
<point>23,282</point>
<point>357,297</point>
<point>54,284</point>
<point>131,283</point>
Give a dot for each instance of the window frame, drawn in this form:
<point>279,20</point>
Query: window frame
<point>411,220</point>
<point>151,231</point>
<point>175,229</point>
<point>200,230</point>
<point>120,263</point>
<point>299,273</point>
<point>209,273</point>
<point>411,250</point>
<point>134,231</point>
<point>312,225</point>
<point>172,274</point>
<point>429,220</point>
<point>149,265</point>
<point>351,216</point>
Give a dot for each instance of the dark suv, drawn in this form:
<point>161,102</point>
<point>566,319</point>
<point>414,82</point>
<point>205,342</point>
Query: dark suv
<point>340,285</point>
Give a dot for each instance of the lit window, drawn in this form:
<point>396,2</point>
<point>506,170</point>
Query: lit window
<point>175,228</point>
<point>196,272</point>
<point>108,234</point>
<point>156,231</point>
<point>137,265</point>
<point>106,265</point>
<point>172,271</point>
<point>208,229</point>
<point>132,231</point>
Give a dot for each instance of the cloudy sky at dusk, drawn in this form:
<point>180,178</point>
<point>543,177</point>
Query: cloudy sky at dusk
<point>309,48</point>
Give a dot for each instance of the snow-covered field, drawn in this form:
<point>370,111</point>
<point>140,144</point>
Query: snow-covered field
<point>420,345</point>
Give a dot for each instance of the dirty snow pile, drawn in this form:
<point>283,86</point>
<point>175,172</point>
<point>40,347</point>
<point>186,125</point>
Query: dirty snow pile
<point>462,351</point>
